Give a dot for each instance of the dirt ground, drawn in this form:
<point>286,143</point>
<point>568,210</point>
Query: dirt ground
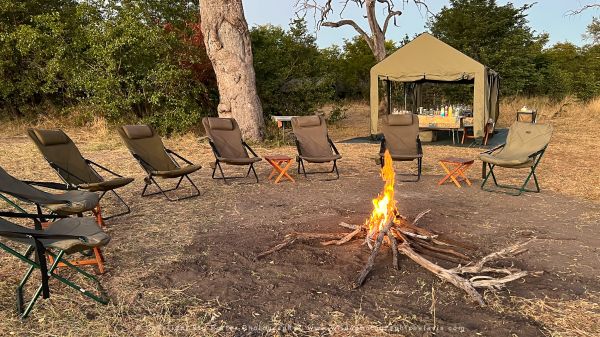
<point>188,268</point>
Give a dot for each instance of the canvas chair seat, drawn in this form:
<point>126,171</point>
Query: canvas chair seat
<point>325,159</point>
<point>313,143</point>
<point>66,203</point>
<point>86,228</point>
<point>402,157</point>
<point>106,185</point>
<point>156,160</point>
<point>401,139</point>
<point>49,246</point>
<point>76,171</point>
<point>78,202</point>
<point>177,172</point>
<point>225,138</point>
<point>506,161</point>
<point>240,161</point>
<point>525,145</point>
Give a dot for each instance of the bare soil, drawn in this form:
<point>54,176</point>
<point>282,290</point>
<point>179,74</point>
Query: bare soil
<point>308,283</point>
<point>187,268</point>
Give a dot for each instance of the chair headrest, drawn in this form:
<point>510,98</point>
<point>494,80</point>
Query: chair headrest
<point>400,120</point>
<point>216,123</point>
<point>137,131</point>
<point>308,121</point>
<point>51,137</point>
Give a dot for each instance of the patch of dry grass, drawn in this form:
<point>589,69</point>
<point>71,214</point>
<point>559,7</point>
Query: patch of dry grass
<point>559,318</point>
<point>138,249</point>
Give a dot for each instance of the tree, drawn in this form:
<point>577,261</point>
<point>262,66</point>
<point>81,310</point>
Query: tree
<point>375,37</point>
<point>292,74</point>
<point>593,31</point>
<point>228,45</point>
<point>497,36</point>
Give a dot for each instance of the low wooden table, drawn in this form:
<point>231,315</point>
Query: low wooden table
<point>276,161</point>
<point>455,170</point>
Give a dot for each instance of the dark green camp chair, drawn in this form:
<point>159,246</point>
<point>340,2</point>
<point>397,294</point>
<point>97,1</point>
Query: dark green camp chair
<point>525,145</point>
<point>63,236</point>
<point>148,149</point>
<point>313,144</point>
<point>67,203</point>
<point>226,141</point>
<point>76,171</point>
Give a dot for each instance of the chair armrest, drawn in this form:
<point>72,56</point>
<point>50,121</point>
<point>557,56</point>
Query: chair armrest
<point>419,146</point>
<point>178,156</point>
<point>91,163</point>
<point>147,167</point>
<point>60,169</point>
<point>382,145</point>
<point>249,148</point>
<point>48,184</point>
<point>214,149</point>
<point>298,147</point>
<point>494,149</point>
<point>333,146</point>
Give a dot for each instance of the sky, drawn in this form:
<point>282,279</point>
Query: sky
<point>546,16</point>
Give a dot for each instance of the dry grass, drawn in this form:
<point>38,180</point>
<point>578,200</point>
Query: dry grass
<point>559,318</point>
<point>141,309</point>
<point>568,167</point>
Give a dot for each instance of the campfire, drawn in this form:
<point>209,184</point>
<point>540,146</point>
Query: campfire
<point>387,227</point>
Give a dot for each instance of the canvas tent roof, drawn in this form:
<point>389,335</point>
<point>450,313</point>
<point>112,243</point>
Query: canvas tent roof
<point>427,59</point>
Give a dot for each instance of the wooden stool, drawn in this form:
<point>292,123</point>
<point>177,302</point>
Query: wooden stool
<point>456,172</point>
<point>276,161</point>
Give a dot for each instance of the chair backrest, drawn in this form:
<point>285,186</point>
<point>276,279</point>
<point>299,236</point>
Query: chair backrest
<point>311,133</point>
<point>23,191</point>
<point>226,136</point>
<point>144,142</point>
<point>60,150</point>
<point>525,139</point>
<point>401,133</point>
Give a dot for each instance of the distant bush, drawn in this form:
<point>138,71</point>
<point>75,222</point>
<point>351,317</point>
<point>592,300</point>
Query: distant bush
<point>137,59</point>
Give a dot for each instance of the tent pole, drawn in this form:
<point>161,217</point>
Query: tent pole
<point>389,96</point>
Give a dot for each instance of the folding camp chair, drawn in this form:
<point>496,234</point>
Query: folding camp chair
<point>525,145</point>
<point>76,171</point>
<point>401,138</point>
<point>62,237</point>
<point>313,144</point>
<point>226,141</point>
<point>468,132</point>
<point>148,149</point>
<point>62,204</point>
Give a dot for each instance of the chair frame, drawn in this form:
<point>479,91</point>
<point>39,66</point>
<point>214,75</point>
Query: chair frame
<point>301,161</point>
<point>39,261</point>
<point>59,170</point>
<point>218,163</point>
<point>149,179</point>
<point>98,257</point>
<point>506,189</point>
<point>382,149</point>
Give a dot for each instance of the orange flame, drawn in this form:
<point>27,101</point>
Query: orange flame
<point>384,206</point>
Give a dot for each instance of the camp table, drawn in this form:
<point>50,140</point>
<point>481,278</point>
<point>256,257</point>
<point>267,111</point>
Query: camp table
<point>276,161</point>
<point>456,171</point>
<point>281,120</point>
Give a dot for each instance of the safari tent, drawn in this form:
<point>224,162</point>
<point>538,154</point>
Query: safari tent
<point>427,59</point>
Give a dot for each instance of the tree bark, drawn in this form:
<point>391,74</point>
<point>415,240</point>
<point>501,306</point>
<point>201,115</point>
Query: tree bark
<point>227,41</point>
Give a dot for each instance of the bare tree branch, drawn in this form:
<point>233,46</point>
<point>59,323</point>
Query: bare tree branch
<point>390,15</point>
<point>582,9</point>
<point>347,23</point>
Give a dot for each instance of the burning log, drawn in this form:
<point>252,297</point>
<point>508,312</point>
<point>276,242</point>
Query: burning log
<point>386,225</point>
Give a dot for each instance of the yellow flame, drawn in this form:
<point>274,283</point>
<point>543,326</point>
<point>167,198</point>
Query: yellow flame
<point>384,206</point>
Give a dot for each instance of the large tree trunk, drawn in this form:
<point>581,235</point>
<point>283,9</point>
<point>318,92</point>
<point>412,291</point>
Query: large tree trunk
<point>228,46</point>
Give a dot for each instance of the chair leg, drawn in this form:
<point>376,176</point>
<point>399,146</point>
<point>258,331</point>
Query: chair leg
<point>195,192</point>
<point>419,168</point>
<point>127,208</point>
<point>250,169</point>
